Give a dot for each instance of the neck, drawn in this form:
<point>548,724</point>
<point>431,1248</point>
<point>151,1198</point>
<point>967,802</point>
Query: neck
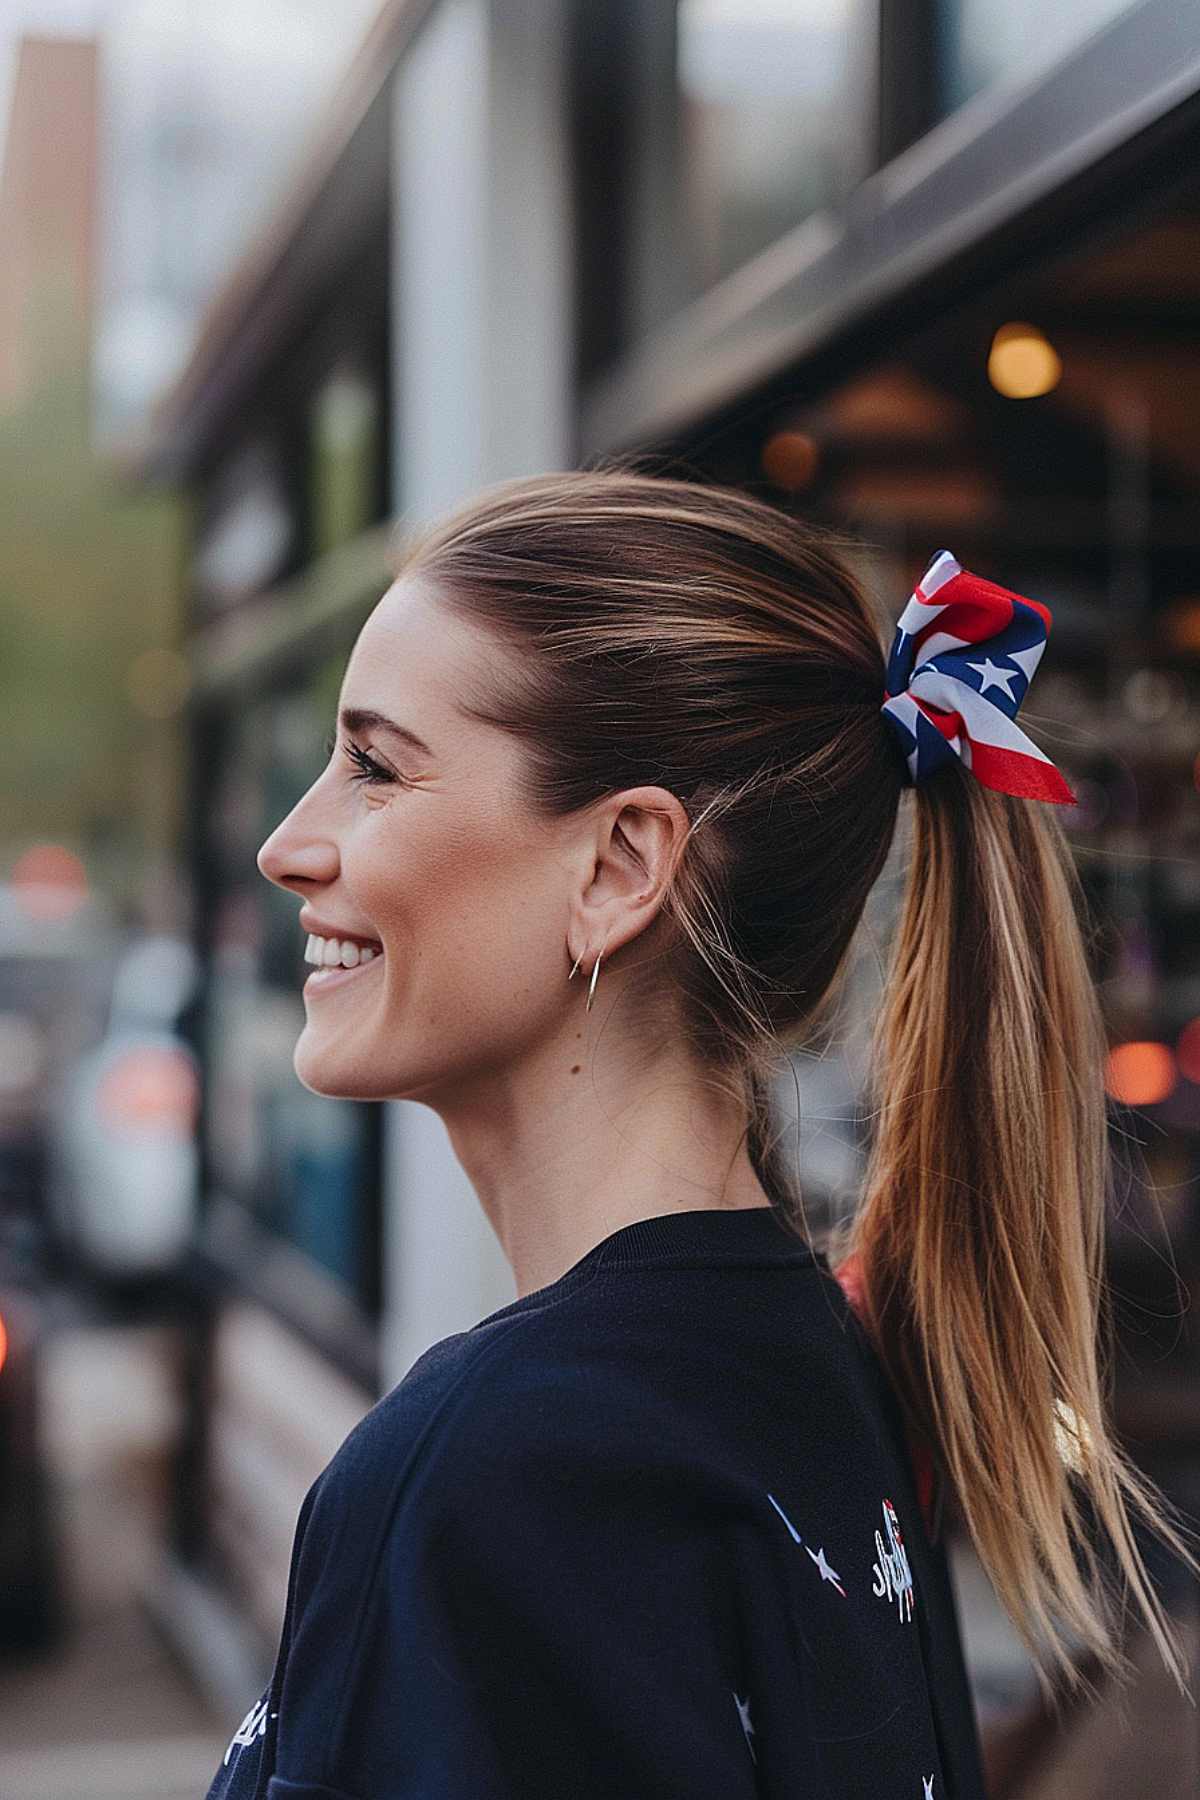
<point>559,1164</point>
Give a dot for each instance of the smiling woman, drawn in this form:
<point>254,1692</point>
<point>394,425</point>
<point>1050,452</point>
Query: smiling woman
<point>669,738</point>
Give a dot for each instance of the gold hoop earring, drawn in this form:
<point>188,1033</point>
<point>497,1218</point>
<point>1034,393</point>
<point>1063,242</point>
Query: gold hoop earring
<point>595,972</point>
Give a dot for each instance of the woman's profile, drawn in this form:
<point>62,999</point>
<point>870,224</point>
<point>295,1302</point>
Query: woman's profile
<point>619,757</point>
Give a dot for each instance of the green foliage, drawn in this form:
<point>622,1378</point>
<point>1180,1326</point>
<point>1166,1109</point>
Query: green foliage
<point>90,576</point>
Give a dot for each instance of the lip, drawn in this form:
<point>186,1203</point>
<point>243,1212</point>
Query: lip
<point>320,981</point>
<point>321,928</point>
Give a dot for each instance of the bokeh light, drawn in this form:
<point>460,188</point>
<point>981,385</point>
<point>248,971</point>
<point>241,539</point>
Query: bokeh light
<point>49,882</point>
<point>1022,363</point>
<point>1141,1073</point>
<point>790,459</point>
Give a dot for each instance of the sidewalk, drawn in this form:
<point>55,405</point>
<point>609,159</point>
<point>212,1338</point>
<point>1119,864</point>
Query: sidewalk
<point>108,1714</point>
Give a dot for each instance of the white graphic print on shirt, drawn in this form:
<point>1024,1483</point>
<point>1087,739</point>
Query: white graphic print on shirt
<point>743,1707</point>
<point>928,1780</point>
<point>893,1577</point>
<point>818,1556</point>
<point>253,1725</point>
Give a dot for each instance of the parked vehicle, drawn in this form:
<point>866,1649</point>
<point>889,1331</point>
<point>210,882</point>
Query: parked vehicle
<point>123,1192</point>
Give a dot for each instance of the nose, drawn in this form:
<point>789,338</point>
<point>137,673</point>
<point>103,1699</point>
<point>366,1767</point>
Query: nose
<point>296,856</point>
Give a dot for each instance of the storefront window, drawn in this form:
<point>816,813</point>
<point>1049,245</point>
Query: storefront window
<point>989,41</point>
<point>345,452</point>
<point>770,131</point>
<point>302,1163</point>
<point>1048,436</point>
<point>250,531</point>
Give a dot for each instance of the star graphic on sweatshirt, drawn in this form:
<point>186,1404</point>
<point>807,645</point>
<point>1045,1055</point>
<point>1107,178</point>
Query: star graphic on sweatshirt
<point>928,1780</point>
<point>994,676</point>
<point>827,1574</point>
<point>743,1707</point>
<point>818,1556</point>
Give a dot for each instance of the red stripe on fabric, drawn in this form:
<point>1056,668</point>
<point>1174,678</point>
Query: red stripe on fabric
<point>1011,772</point>
<point>950,724</point>
<point>971,608</point>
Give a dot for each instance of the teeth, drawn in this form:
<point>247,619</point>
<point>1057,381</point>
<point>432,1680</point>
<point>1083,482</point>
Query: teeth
<point>330,953</point>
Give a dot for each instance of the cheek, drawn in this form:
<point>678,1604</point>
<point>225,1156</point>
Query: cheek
<point>474,922</point>
<point>424,886</point>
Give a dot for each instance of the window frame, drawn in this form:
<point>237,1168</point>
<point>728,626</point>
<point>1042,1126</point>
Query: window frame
<point>947,211</point>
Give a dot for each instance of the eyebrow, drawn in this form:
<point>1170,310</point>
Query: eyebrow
<point>361,718</point>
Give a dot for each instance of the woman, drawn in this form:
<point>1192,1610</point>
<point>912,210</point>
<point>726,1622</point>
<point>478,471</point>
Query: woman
<point>670,1523</point>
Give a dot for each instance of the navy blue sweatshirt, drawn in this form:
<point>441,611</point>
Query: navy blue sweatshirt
<point>647,1533</point>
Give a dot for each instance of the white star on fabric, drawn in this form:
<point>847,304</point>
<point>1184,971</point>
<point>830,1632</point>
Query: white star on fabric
<point>928,1780</point>
<point>994,676</point>
<point>743,1707</point>
<point>827,1574</point>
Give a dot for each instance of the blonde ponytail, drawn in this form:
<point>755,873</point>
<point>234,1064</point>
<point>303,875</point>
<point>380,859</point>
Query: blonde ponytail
<point>981,1235</point>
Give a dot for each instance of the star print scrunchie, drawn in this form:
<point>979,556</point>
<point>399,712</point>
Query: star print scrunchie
<point>960,665</point>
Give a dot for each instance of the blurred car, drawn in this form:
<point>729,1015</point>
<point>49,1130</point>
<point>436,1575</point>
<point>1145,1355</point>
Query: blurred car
<point>125,1161</point>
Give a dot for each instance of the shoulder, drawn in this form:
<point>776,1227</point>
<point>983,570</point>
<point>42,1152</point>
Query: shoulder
<point>634,1393</point>
<point>535,1431</point>
<point>485,1397</point>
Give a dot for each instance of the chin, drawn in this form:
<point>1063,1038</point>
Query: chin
<point>318,1073</point>
<point>315,1073</point>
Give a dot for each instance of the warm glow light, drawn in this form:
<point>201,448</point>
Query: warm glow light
<point>154,1087</point>
<point>1022,363</point>
<point>3,1344</point>
<point>1140,1074</point>
<point>49,881</point>
<point>1187,1051</point>
<point>1180,624</point>
<point>790,458</point>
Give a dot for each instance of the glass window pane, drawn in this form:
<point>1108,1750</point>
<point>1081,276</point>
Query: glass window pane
<point>344,455</point>
<point>769,131</point>
<point>987,41</point>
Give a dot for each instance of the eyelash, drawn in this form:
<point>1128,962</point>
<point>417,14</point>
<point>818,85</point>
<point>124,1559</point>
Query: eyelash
<point>366,768</point>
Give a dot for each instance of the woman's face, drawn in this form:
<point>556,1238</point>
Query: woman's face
<point>431,859</point>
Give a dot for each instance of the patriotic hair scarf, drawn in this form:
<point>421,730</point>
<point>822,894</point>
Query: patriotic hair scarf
<point>960,665</point>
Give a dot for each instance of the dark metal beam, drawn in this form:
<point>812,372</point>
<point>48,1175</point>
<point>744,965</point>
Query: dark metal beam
<point>1010,176</point>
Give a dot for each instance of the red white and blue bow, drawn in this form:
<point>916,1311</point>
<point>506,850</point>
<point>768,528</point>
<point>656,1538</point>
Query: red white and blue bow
<point>961,662</point>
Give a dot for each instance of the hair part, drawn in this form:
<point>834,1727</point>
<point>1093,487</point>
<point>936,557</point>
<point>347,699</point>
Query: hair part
<point>692,636</point>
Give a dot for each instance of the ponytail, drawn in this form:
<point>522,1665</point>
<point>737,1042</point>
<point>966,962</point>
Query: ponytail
<point>980,1242</point>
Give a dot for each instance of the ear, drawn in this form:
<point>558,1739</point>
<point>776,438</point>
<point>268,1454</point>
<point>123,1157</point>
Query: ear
<point>632,849</point>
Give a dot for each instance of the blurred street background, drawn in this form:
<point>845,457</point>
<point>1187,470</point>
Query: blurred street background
<point>276,275</point>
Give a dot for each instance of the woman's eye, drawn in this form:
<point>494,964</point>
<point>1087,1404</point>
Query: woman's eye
<point>365,766</point>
